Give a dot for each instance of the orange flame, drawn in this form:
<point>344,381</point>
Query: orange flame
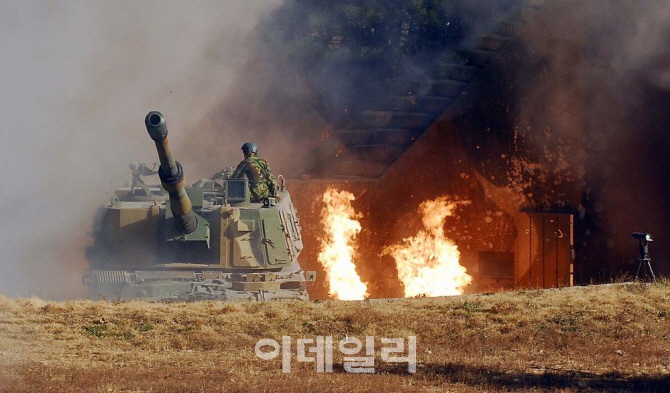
<point>337,247</point>
<point>428,263</point>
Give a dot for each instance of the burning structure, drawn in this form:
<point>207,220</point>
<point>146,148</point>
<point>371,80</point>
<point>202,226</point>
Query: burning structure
<point>510,222</point>
<point>495,117</point>
<point>403,101</point>
<point>549,120</point>
<point>528,126</point>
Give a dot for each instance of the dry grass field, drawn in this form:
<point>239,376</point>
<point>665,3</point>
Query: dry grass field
<point>613,338</point>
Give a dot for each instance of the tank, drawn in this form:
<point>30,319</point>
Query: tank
<point>206,241</point>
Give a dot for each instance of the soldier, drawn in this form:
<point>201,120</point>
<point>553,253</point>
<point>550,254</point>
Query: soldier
<point>261,181</point>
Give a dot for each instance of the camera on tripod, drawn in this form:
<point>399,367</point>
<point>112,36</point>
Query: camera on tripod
<point>643,235</point>
<point>644,262</point>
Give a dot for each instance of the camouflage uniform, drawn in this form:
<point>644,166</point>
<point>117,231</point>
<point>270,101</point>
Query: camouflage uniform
<point>261,181</point>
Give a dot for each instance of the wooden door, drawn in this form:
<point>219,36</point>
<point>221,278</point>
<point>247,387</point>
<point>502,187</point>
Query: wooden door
<point>543,251</point>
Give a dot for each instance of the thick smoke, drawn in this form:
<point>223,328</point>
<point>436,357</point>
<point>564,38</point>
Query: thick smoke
<point>591,94</point>
<point>317,64</point>
<point>78,78</point>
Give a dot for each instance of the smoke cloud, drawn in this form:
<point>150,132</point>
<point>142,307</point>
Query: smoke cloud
<point>317,64</point>
<point>590,94</point>
<point>78,78</point>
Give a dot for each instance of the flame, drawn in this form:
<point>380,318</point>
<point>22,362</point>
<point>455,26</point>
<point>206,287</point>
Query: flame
<point>428,263</point>
<point>337,247</point>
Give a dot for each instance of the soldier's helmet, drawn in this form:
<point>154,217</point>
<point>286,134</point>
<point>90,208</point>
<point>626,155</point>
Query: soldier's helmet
<point>249,147</point>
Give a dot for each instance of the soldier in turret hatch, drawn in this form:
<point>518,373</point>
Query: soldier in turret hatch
<point>261,181</point>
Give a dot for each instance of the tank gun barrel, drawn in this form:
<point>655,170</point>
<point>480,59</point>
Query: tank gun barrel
<point>171,174</point>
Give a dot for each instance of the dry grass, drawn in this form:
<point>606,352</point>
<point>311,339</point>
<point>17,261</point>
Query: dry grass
<point>595,338</point>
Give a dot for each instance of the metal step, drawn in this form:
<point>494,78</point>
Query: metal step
<point>534,3</point>
<point>493,42</point>
<point>476,57</point>
<point>353,168</point>
<point>508,28</point>
<point>409,103</point>
<point>388,136</point>
<point>447,88</point>
<point>390,119</point>
<point>455,71</point>
<point>524,14</point>
<point>435,88</point>
<point>375,152</point>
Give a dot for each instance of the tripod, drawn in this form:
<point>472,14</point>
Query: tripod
<point>644,262</point>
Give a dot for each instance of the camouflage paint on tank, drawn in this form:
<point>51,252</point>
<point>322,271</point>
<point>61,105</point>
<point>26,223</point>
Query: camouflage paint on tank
<point>238,249</point>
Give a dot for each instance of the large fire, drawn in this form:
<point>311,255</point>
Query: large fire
<point>337,246</point>
<point>428,263</point>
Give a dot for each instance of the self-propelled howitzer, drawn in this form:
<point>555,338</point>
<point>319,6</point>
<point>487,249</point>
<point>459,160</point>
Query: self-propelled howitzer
<point>206,241</point>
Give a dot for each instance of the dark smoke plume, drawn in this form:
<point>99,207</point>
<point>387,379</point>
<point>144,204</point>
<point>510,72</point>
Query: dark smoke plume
<point>588,89</point>
<point>316,64</point>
